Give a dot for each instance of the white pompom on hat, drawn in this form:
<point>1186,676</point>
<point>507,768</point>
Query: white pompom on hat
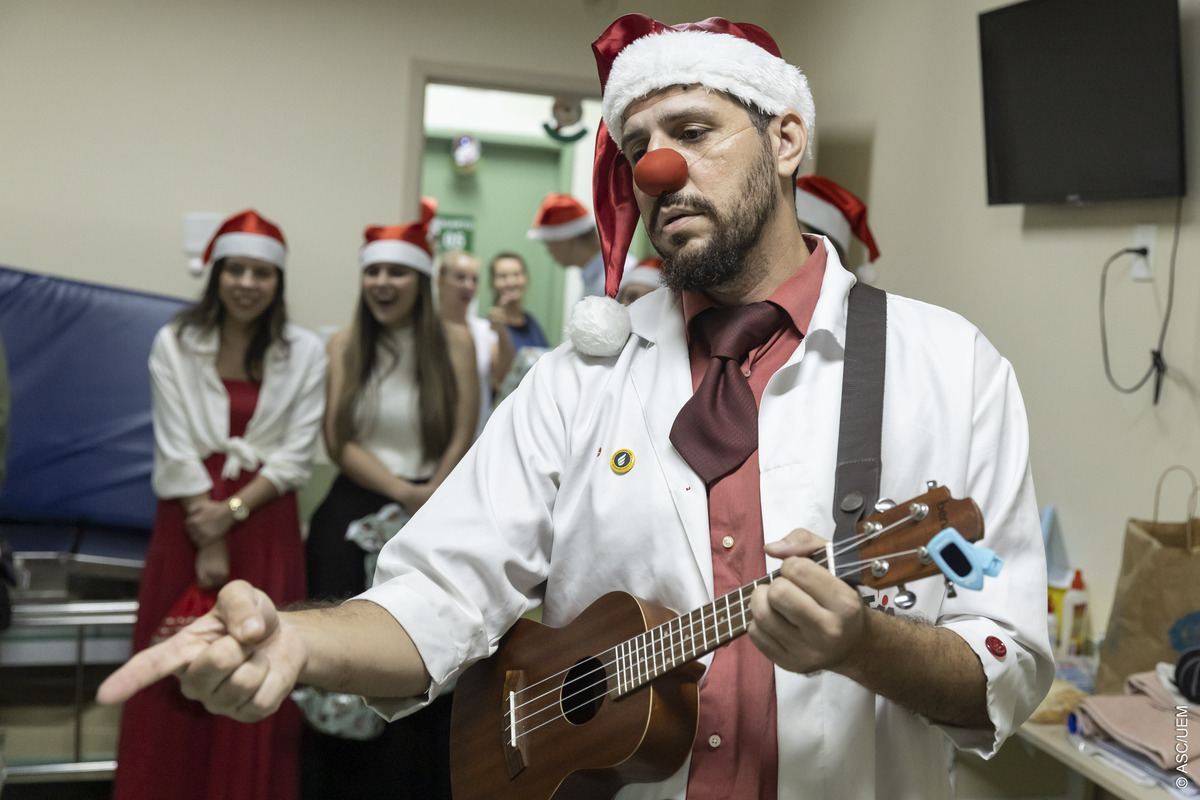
<point>599,326</point>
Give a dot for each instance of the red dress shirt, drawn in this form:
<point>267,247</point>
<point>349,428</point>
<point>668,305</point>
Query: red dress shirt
<point>736,752</point>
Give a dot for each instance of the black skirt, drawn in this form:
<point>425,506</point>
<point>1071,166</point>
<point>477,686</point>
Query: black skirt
<point>335,566</point>
<point>411,758</point>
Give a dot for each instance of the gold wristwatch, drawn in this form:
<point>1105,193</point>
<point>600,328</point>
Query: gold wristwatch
<point>238,508</point>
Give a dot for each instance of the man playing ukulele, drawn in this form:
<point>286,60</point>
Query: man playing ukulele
<point>599,474</point>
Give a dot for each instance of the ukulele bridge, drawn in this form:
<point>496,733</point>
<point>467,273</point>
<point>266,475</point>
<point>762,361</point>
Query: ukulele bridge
<point>511,740</point>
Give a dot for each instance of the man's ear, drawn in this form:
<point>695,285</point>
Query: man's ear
<point>791,142</point>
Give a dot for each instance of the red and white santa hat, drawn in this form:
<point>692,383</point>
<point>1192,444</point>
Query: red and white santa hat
<point>560,217</point>
<point>647,272</point>
<point>834,211</point>
<point>247,234</point>
<point>410,244</point>
<point>637,55</point>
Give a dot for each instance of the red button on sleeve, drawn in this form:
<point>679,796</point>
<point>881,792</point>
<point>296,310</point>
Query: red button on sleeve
<point>995,647</point>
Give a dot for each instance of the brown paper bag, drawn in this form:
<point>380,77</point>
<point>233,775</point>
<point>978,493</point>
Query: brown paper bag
<point>1156,607</point>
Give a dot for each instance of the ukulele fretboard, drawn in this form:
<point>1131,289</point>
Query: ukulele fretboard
<point>643,658</point>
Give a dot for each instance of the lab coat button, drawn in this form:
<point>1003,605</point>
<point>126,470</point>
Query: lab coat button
<point>995,647</point>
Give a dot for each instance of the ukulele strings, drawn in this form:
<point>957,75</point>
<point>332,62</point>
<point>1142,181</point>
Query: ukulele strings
<point>819,557</point>
<point>687,639</point>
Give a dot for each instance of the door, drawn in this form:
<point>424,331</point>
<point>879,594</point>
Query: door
<point>501,194</point>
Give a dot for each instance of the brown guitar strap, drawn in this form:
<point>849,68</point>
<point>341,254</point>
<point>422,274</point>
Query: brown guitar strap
<point>856,485</point>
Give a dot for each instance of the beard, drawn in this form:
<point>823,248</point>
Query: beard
<point>735,234</point>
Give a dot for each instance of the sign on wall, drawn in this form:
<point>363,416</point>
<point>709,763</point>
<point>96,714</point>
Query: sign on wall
<point>456,232</point>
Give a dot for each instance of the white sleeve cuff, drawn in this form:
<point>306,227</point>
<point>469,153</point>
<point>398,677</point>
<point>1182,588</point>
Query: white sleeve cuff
<point>434,641</point>
<point>1017,679</point>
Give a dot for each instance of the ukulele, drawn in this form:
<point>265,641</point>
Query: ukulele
<point>577,712</point>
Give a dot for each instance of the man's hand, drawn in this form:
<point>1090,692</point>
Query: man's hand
<point>207,521</point>
<point>807,620</point>
<point>239,659</point>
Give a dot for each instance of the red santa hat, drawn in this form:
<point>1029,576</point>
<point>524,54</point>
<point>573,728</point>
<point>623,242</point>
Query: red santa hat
<point>648,272</point>
<point>250,235</point>
<point>560,217</point>
<point>834,211</point>
<point>408,244</point>
<point>637,55</point>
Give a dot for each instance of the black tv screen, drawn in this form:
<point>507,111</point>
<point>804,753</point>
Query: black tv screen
<point>1082,101</point>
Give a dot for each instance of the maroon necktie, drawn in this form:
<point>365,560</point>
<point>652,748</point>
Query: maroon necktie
<point>717,429</point>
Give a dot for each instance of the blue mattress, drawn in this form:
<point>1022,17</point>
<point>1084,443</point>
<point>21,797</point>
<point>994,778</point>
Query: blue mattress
<point>80,440</point>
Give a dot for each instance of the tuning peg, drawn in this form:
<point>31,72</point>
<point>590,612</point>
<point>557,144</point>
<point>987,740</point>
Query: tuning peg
<point>931,484</point>
<point>904,598</point>
<point>884,504</point>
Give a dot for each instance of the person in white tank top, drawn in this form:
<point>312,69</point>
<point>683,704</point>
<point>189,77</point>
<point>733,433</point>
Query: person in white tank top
<point>402,409</point>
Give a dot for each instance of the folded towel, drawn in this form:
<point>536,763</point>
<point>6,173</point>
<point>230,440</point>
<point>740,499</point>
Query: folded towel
<point>1143,720</point>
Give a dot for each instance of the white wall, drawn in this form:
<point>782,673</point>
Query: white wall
<point>905,76</point>
<point>120,117</point>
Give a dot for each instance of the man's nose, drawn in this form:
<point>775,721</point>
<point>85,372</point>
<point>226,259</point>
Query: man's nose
<point>661,171</point>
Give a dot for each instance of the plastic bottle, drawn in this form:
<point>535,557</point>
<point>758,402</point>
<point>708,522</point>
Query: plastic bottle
<point>1057,587</point>
<point>1052,624</point>
<point>1073,638</point>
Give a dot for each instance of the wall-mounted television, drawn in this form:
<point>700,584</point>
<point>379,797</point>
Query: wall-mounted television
<point>1082,101</point>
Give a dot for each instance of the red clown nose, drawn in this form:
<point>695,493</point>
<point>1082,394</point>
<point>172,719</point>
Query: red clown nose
<point>660,172</point>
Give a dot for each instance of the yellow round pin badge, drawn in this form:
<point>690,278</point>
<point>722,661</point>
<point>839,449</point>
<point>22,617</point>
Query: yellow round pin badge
<point>621,461</point>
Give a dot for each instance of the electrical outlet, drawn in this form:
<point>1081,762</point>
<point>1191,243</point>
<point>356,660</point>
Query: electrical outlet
<point>1144,236</point>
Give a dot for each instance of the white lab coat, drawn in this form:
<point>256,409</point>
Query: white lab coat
<point>191,412</point>
<point>535,509</point>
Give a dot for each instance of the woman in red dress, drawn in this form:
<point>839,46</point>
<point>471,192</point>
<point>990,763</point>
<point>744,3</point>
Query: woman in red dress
<point>237,406</point>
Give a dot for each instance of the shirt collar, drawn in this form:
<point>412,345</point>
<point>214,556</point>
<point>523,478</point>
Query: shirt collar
<point>797,295</point>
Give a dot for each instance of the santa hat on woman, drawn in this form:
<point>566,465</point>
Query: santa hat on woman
<point>408,244</point>
<point>637,55</point>
<point>247,234</point>
<point>833,210</point>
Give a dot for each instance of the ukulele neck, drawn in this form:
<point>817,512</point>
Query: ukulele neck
<point>685,638</point>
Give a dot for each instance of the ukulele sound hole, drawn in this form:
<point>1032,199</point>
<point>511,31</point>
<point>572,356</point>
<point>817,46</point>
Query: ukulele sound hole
<point>583,691</point>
